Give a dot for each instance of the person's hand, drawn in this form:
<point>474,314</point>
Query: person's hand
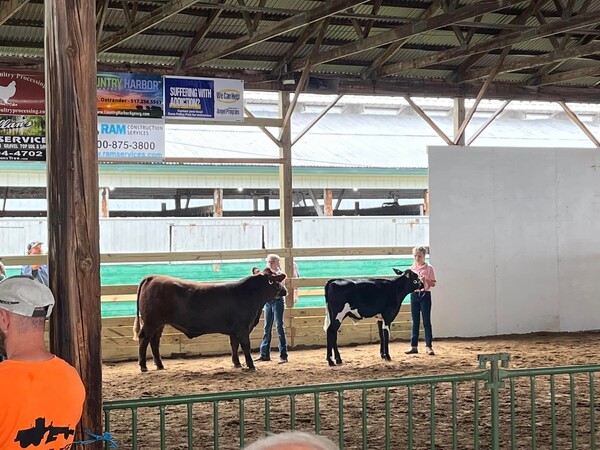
<point>35,267</point>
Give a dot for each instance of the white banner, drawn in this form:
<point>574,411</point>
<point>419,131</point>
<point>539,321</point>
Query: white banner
<point>130,139</point>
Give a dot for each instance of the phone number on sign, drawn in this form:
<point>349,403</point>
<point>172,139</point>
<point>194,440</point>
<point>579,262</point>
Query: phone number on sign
<point>126,145</point>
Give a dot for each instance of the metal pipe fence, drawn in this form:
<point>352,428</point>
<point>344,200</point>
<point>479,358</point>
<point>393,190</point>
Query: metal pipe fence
<point>539,409</point>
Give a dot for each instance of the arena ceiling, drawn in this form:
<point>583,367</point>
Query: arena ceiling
<point>506,49</point>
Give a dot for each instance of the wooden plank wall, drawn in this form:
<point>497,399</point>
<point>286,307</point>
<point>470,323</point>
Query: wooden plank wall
<point>304,328</point>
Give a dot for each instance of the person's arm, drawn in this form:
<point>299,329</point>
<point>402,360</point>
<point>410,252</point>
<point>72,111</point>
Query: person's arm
<point>431,281</point>
<point>26,270</point>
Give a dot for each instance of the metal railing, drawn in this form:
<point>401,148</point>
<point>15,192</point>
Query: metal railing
<point>468,410</point>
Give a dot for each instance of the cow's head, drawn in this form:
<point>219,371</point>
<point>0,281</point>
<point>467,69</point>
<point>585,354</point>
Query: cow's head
<point>276,281</point>
<point>411,278</point>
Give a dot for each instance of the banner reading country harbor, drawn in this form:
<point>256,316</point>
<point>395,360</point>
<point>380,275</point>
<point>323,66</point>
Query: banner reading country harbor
<point>130,117</point>
<point>216,99</point>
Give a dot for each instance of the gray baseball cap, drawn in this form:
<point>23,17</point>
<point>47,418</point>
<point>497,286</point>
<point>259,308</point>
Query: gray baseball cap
<point>26,296</point>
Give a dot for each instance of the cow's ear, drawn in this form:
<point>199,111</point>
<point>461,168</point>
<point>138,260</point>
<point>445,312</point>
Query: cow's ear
<point>397,271</point>
<point>279,277</point>
<point>408,273</point>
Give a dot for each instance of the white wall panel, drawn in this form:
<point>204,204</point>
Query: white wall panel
<point>514,241</point>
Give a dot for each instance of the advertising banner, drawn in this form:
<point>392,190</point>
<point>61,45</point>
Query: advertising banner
<point>21,93</point>
<point>131,139</point>
<point>216,99</point>
<point>129,94</point>
<point>23,138</point>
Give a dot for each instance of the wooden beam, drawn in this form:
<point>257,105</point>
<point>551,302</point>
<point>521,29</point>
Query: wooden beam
<point>458,117</point>
<point>488,122</point>
<point>152,19</point>
<point>565,76</point>
<point>101,18</point>
<point>339,200</point>
<point>427,119</point>
<point>395,46</point>
<point>328,202</point>
<point>218,202</point>
<point>526,63</point>
<point>387,37</point>
<point>492,44</point>
<point>248,122</point>
<point>307,33</point>
<point>304,77</point>
<point>374,12</point>
<point>200,34</point>
<point>72,187</point>
<point>286,222</point>
<point>315,203</point>
<point>276,141</point>
<point>580,124</point>
<point>519,21</point>
<point>284,26</point>
<point>9,8</point>
<point>316,119</point>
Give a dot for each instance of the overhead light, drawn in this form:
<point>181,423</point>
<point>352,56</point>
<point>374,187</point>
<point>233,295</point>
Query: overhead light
<point>111,188</point>
<point>355,189</point>
<point>240,189</point>
<point>288,80</point>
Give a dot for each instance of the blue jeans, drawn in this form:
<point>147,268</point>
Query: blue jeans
<point>275,310</point>
<point>420,304</point>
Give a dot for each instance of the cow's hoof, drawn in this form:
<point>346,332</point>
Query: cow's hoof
<point>339,362</point>
<point>144,369</point>
<point>237,365</point>
<point>249,369</point>
<point>160,367</point>
<point>387,358</point>
<point>331,363</point>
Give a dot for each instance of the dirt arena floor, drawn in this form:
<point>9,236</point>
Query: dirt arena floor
<point>205,375</point>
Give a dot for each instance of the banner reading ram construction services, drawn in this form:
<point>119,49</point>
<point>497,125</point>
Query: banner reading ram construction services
<point>216,99</point>
<point>129,94</point>
<point>22,116</point>
<point>130,139</point>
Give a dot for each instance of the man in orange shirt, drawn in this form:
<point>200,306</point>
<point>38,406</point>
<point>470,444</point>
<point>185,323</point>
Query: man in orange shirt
<point>41,396</point>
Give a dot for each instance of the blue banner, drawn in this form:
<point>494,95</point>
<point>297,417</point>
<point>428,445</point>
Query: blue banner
<point>189,97</point>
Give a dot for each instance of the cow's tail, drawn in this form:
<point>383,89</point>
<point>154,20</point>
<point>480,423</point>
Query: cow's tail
<point>137,324</point>
<point>328,312</point>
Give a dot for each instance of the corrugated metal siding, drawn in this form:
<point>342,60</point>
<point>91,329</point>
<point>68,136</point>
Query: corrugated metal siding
<point>214,233</point>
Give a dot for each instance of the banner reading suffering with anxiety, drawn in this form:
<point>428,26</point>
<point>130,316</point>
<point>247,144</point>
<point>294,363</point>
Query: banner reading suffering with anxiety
<point>216,99</point>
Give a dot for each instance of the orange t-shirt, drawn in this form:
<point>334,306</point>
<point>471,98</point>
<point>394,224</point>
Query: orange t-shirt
<point>40,404</point>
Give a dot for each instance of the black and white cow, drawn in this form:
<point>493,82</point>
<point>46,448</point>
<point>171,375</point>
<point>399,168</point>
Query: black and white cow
<point>366,297</point>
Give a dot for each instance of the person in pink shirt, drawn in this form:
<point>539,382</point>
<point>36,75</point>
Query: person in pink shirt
<point>420,302</point>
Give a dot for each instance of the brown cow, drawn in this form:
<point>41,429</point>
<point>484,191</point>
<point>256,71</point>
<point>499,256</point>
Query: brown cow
<point>196,308</point>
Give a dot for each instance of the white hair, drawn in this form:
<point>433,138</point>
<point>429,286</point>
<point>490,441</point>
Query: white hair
<point>272,257</point>
<point>281,441</point>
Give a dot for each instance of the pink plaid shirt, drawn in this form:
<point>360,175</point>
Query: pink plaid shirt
<point>426,274</point>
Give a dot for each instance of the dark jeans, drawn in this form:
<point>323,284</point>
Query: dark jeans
<point>420,304</point>
<point>274,310</point>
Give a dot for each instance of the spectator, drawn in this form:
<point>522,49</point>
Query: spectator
<point>274,310</point>
<point>39,272</point>
<point>2,271</point>
<point>41,396</point>
<point>294,440</point>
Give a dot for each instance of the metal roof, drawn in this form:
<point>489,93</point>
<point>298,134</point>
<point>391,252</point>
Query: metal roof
<point>416,47</point>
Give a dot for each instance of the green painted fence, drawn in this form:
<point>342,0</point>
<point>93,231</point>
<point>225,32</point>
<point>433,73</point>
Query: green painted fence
<point>469,410</point>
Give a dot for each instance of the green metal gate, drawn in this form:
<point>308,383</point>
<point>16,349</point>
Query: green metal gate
<point>539,409</point>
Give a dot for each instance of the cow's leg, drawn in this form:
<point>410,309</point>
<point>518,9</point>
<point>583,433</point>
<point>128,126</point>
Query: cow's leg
<point>142,348</point>
<point>235,344</point>
<point>155,346</point>
<point>384,334</point>
<point>244,339</point>
<point>381,338</point>
<point>332,343</point>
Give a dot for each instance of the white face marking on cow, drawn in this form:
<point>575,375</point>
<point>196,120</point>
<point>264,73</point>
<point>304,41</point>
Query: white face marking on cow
<point>344,312</point>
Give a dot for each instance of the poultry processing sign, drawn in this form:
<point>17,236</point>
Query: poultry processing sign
<point>22,116</point>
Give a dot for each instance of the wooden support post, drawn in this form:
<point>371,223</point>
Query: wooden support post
<point>218,203</point>
<point>72,184</point>
<point>580,124</point>
<point>266,202</point>
<point>426,203</point>
<point>285,192</point>
<point>459,117</point>
<point>105,196</point>
<point>254,203</point>
<point>328,202</point>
